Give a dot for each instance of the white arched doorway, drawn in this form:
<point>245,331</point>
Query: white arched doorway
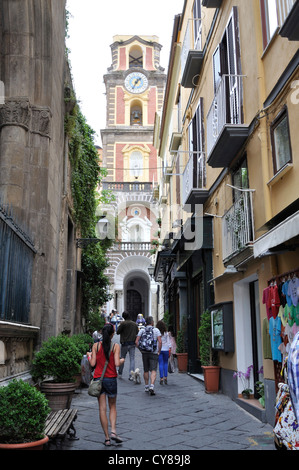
<point>132,283</point>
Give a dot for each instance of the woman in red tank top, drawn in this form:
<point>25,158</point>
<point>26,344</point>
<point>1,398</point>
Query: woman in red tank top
<point>101,351</point>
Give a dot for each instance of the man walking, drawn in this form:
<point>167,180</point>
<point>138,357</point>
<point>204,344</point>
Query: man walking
<point>149,342</point>
<point>127,330</point>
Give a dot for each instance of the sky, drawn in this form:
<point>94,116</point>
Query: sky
<point>92,25</point>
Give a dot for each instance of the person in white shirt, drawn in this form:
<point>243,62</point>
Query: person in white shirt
<point>165,352</point>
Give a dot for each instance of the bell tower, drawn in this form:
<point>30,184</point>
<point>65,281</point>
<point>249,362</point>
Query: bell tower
<point>135,85</point>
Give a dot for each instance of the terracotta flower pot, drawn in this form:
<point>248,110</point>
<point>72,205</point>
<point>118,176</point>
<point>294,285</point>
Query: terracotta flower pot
<point>59,394</point>
<point>211,376</point>
<point>182,361</point>
<point>35,445</point>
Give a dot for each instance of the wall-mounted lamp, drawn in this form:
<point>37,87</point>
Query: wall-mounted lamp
<point>151,270</point>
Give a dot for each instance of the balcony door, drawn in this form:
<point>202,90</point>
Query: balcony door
<point>197,24</point>
<point>227,70</point>
<point>196,147</point>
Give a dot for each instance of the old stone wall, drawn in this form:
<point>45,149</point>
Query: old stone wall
<point>34,166</point>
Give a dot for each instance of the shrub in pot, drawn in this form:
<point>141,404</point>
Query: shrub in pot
<point>54,367</point>
<point>83,342</point>
<point>182,354</point>
<point>23,414</point>
<point>208,357</point>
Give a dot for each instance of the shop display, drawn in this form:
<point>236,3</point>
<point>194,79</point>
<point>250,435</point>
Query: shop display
<point>281,299</point>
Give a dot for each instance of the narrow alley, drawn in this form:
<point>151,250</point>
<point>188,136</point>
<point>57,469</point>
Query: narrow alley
<point>180,417</point>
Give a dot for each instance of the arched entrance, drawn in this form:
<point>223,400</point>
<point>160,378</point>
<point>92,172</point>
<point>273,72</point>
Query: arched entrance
<point>133,304</point>
<point>137,293</point>
<point>134,288</point>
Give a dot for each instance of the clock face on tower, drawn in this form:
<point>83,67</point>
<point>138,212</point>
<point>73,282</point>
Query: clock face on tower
<point>136,82</point>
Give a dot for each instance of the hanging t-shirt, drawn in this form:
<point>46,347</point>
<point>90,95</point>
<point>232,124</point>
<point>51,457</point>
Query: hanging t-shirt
<point>284,289</point>
<point>273,300</point>
<point>266,340</point>
<point>265,301</point>
<point>288,313</point>
<point>274,331</point>
<point>293,290</point>
<point>282,296</point>
<point>295,311</point>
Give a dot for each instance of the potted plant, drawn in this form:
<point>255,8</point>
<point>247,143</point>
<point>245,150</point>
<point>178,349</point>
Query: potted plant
<point>208,357</point>
<point>181,353</point>
<point>245,380</point>
<point>54,367</point>
<point>23,414</point>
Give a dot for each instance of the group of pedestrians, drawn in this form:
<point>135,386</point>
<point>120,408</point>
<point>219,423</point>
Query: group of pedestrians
<point>155,343</point>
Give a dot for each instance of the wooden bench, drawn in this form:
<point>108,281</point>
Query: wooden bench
<point>59,423</point>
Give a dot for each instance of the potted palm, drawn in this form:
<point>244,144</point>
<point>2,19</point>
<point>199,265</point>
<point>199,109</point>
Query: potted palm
<point>208,357</point>
<point>181,352</point>
<point>54,367</point>
<point>23,414</point>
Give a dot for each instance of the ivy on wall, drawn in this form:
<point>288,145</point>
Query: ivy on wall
<point>86,175</point>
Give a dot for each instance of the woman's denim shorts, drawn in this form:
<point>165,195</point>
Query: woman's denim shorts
<point>109,386</point>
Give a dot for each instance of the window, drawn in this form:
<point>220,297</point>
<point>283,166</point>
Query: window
<point>280,139</point>
<point>136,116</point>
<point>274,14</point>
<point>197,24</point>
<point>196,145</point>
<point>269,20</point>
<point>135,57</point>
<point>240,178</point>
<point>136,164</point>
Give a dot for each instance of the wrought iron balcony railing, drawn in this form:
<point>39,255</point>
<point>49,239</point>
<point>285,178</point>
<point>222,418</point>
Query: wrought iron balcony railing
<point>194,178</point>
<point>192,54</point>
<point>237,226</point>
<point>226,107</point>
<point>283,9</point>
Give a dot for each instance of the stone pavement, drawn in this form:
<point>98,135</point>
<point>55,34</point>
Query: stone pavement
<point>180,417</point>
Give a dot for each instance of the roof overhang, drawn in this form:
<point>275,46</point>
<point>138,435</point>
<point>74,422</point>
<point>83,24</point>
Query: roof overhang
<point>275,237</point>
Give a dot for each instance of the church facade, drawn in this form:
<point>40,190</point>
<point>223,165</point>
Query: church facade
<point>135,85</point>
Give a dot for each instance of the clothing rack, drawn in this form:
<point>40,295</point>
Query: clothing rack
<point>278,277</point>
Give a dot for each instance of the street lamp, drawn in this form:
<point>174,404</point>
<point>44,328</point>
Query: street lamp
<point>151,270</point>
<point>102,228</point>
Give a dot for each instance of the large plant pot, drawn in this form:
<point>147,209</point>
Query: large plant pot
<point>211,376</point>
<point>182,362</point>
<point>59,394</point>
<point>35,445</point>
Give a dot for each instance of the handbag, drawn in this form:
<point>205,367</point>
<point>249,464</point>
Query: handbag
<point>286,427</point>
<point>95,386</point>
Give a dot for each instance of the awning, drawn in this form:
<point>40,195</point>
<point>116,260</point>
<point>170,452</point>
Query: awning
<point>283,232</point>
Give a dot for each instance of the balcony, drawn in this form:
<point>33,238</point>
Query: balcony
<point>238,230</point>
<point>192,54</point>
<point>211,3</point>
<point>135,186</point>
<point>194,179</point>
<point>288,12</point>
<point>226,132</point>
<point>131,246</point>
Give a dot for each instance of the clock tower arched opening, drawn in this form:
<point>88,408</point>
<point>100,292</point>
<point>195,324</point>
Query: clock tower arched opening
<point>135,57</point>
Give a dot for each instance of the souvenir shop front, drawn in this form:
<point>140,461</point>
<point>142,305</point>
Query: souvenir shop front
<point>281,299</point>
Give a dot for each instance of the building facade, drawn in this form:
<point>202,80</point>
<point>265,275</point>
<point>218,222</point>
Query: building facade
<point>38,255</point>
<point>135,85</point>
<point>229,149</point>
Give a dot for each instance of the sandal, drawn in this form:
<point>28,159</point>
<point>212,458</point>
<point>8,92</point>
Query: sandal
<point>107,442</point>
<point>161,381</point>
<point>115,437</point>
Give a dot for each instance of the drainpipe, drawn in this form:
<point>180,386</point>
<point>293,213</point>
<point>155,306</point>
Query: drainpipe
<point>263,131</point>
